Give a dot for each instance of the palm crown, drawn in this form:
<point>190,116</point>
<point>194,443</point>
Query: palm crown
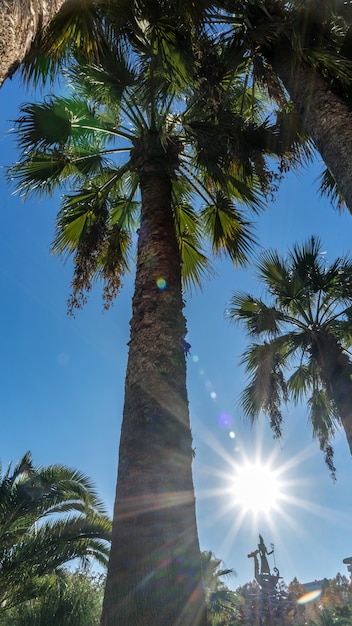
<point>120,114</point>
<point>305,332</point>
<point>302,43</point>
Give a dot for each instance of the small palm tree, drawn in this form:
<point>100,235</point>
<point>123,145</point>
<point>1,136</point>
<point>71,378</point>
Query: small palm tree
<point>48,517</point>
<point>305,330</point>
<point>222,603</point>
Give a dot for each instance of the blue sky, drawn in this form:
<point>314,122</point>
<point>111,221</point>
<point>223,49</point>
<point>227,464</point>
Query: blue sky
<point>62,381</point>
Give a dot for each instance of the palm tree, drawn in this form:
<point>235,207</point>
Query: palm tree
<point>222,603</point>
<point>305,332</point>
<point>305,48</point>
<point>177,112</point>
<point>48,517</point>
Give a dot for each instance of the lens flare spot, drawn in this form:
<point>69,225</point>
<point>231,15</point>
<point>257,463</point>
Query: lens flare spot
<point>161,284</point>
<point>309,597</point>
<point>195,358</point>
<point>213,395</point>
<point>232,435</point>
<point>225,420</point>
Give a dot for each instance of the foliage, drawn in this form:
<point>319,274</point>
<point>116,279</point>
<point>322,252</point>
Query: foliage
<point>48,517</point>
<point>305,331</point>
<point>309,35</point>
<point>332,607</point>
<point>222,603</point>
<point>191,102</point>
<point>70,599</point>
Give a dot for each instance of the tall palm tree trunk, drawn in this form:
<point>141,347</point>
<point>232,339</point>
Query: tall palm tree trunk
<point>336,372</point>
<point>327,118</point>
<point>21,22</point>
<point>154,575</point>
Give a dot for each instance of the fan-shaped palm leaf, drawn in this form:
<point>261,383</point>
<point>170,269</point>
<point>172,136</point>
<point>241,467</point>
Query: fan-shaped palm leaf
<point>305,330</point>
<point>48,516</point>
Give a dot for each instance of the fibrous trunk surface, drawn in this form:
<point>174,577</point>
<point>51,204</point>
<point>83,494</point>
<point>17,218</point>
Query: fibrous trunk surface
<point>336,373</point>
<point>154,575</point>
<point>327,118</point>
<point>21,22</point>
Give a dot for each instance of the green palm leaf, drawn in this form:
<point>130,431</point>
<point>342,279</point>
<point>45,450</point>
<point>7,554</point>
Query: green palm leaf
<point>48,516</point>
<point>305,329</point>
<point>300,382</point>
<point>195,264</point>
<point>228,230</point>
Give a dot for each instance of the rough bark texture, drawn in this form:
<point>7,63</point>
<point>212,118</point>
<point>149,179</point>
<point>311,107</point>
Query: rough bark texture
<point>154,575</point>
<point>326,117</point>
<point>336,372</point>
<point>21,21</point>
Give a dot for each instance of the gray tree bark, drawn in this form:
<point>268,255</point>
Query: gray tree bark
<point>326,117</point>
<point>21,21</point>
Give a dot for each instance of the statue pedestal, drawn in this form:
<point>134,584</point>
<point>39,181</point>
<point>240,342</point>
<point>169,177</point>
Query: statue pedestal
<point>267,582</point>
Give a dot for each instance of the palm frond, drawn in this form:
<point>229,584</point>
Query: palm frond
<point>324,421</point>
<point>299,383</point>
<point>41,172</point>
<point>88,207</point>
<point>266,391</point>
<point>80,28</point>
<point>59,121</point>
<point>258,317</point>
<point>229,232</point>
<point>329,62</point>
<point>195,264</point>
<point>172,54</point>
<point>106,83</point>
<point>328,188</point>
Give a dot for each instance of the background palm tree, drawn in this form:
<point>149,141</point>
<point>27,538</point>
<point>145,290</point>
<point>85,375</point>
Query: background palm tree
<point>305,332</point>
<point>48,516</point>
<point>222,603</point>
<point>304,48</point>
<point>160,120</point>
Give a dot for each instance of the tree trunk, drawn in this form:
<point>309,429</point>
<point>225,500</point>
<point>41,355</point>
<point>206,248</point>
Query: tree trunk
<point>336,373</point>
<point>21,21</point>
<point>154,574</point>
<point>326,117</point>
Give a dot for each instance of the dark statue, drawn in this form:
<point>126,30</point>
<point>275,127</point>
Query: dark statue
<point>268,602</point>
<point>263,575</point>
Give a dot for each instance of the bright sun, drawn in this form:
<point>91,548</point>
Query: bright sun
<point>256,488</point>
